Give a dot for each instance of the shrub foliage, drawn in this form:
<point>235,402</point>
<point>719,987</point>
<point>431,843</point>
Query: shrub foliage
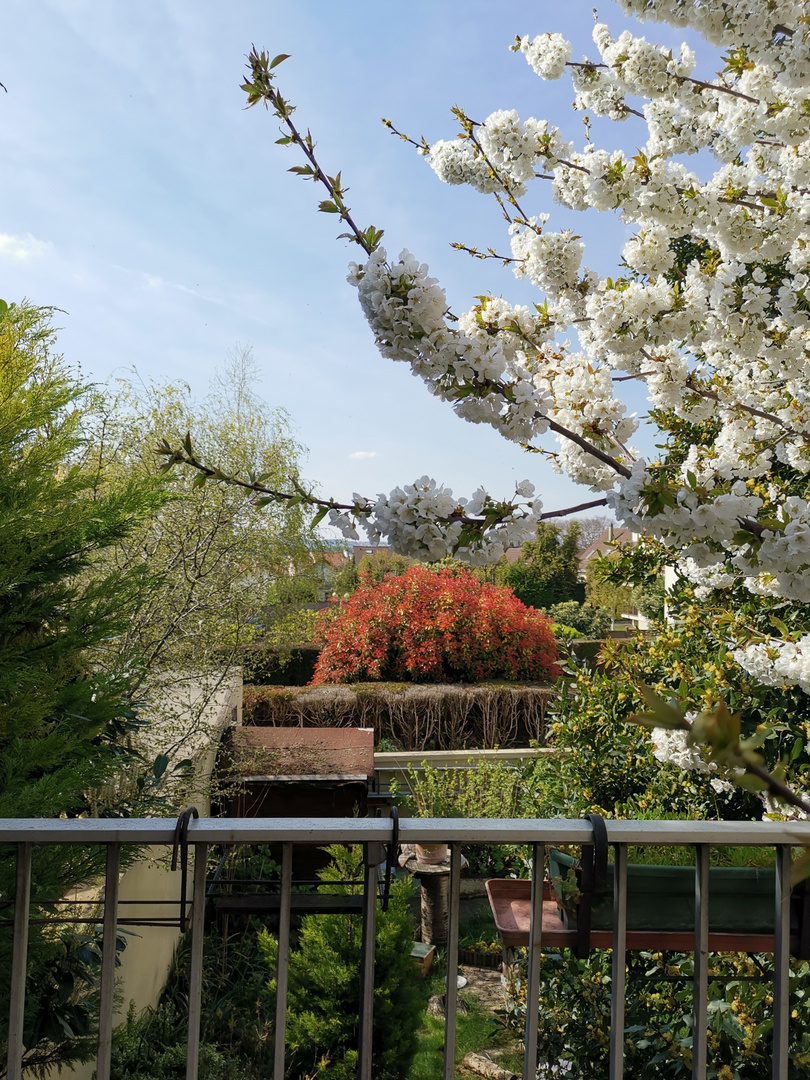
<point>324,984</point>
<point>435,626</point>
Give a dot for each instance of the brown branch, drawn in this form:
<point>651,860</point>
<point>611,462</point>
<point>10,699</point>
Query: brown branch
<point>573,509</point>
<point>345,213</point>
<point>777,787</point>
<point>489,254</point>
<point>178,457</point>
<point>589,448</point>
<point>423,146</point>
<point>681,78</point>
<point>712,395</point>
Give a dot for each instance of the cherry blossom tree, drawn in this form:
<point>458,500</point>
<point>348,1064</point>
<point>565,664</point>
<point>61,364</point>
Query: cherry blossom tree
<point>708,308</point>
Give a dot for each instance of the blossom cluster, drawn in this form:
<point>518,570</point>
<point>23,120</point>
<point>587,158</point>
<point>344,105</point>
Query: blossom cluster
<point>777,663</point>
<point>673,747</point>
<point>705,579</point>
<point>425,521</point>
<point>504,157</point>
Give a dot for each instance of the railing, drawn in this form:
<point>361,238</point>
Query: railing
<point>204,834</point>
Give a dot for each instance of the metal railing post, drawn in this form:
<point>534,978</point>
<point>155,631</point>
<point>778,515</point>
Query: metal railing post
<point>535,957</point>
<point>283,966</point>
<point>372,857</point>
<point>619,962</point>
<point>195,976</point>
<point>451,997</point>
<point>108,954</point>
<point>700,981</point>
<point>19,962</point>
<point>781,963</point>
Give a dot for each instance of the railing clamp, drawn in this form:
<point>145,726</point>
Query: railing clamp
<point>180,845</point>
<point>594,878</point>
<point>393,848</point>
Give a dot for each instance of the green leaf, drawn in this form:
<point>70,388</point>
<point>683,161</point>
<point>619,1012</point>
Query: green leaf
<point>751,782</point>
<point>160,765</point>
<point>780,626</point>
<point>645,720</point>
<point>328,207</point>
<point>279,60</point>
<point>756,740</point>
<point>668,716</point>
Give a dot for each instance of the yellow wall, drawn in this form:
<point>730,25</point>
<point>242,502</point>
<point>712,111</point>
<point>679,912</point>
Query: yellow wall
<point>147,958</point>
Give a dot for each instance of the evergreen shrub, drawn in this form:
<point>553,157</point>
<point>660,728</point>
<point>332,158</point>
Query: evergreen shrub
<point>323,997</point>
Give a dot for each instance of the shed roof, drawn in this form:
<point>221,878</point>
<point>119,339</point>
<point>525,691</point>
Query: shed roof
<point>287,752</point>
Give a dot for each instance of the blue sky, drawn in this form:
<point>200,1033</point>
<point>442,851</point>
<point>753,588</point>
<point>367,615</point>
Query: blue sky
<point>137,196</point>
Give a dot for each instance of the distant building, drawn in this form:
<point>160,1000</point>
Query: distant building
<point>359,551</point>
<point>603,545</point>
<point>613,534</point>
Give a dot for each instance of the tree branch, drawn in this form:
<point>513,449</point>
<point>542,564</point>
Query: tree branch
<point>573,509</point>
<point>589,448</point>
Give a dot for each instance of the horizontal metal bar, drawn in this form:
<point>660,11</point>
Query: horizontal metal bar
<point>83,920</point>
<point>388,760</point>
<point>298,778</point>
<point>358,830</point>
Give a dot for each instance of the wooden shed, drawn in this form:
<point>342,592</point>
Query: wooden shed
<point>299,772</point>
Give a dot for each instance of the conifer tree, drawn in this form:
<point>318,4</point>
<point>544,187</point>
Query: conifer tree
<point>547,571</point>
<point>63,715</point>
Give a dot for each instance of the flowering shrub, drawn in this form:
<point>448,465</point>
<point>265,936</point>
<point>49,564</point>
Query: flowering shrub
<point>435,626</point>
<point>574,1015</point>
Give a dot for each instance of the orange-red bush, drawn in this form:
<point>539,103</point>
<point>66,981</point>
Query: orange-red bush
<point>435,626</point>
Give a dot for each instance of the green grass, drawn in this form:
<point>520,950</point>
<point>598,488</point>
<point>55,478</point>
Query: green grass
<point>476,1030</point>
<point>476,927</point>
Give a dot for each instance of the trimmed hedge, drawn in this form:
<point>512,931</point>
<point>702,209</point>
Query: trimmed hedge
<point>265,665</point>
<point>415,718</point>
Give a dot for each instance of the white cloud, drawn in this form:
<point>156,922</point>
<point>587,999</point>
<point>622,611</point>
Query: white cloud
<point>359,455</point>
<point>21,247</point>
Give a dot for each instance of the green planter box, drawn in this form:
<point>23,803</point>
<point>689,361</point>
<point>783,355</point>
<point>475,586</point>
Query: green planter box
<point>741,899</point>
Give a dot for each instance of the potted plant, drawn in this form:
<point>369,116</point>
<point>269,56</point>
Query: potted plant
<point>481,788</point>
<point>427,798</point>
<point>661,896</point>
